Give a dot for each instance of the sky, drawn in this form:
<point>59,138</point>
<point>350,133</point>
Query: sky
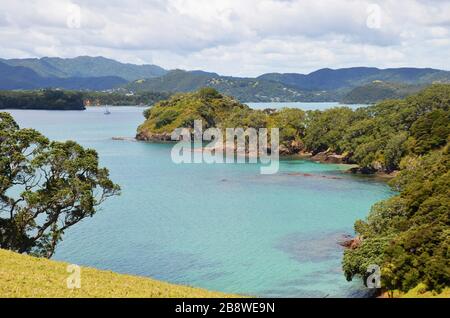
<point>233,37</point>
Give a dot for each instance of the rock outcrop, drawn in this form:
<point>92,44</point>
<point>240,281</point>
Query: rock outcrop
<point>294,147</point>
<point>351,243</point>
<point>330,157</point>
<point>162,137</point>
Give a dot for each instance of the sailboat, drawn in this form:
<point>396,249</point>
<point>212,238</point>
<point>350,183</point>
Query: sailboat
<point>107,112</point>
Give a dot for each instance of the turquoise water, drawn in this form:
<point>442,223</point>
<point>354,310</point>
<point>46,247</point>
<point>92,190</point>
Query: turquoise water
<point>220,227</point>
<point>301,105</point>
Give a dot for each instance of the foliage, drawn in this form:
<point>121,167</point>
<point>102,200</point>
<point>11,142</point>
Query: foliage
<point>378,137</point>
<point>45,188</point>
<point>324,129</point>
<point>412,136</point>
<point>181,110</point>
<point>430,131</point>
<point>414,227</point>
<point>291,123</point>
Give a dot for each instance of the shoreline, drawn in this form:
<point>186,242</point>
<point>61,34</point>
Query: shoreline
<point>349,168</point>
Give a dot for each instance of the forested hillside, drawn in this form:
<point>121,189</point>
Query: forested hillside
<point>378,91</point>
<point>243,89</point>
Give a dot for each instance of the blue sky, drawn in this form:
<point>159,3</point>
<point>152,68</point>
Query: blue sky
<point>232,37</point>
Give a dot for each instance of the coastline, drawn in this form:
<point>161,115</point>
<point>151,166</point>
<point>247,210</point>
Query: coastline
<point>323,158</point>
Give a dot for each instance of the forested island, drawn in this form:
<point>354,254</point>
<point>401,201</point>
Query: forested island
<point>42,99</point>
<point>407,235</point>
<point>50,99</point>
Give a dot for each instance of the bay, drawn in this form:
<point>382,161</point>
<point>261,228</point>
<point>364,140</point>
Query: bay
<point>220,227</point>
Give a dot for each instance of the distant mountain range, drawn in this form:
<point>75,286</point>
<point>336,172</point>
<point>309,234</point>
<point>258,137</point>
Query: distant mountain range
<point>20,77</point>
<point>322,85</point>
<point>352,85</point>
<point>244,89</point>
<point>328,79</point>
<point>86,66</point>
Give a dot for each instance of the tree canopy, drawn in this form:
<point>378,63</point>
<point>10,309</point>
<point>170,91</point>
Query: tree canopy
<point>45,188</point>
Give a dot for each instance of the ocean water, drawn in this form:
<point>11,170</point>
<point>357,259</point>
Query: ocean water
<point>304,106</point>
<point>220,227</point>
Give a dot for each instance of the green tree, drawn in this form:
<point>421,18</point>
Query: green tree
<point>324,130</point>
<point>208,93</point>
<point>45,188</point>
<point>430,131</point>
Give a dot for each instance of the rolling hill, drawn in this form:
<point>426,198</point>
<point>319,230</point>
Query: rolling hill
<point>86,66</point>
<point>20,77</point>
<point>378,91</point>
<point>345,78</point>
<point>243,89</point>
<point>351,85</point>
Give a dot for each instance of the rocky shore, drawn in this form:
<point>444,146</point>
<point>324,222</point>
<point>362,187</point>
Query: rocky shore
<point>350,242</point>
<point>296,149</point>
<point>162,137</point>
<point>330,157</point>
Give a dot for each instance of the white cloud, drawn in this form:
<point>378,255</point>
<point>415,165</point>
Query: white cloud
<point>235,37</point>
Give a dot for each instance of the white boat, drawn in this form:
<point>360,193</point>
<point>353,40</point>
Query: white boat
<point>107,112</point>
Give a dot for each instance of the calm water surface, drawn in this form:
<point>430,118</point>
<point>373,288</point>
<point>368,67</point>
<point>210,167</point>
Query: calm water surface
<point>220,227</point>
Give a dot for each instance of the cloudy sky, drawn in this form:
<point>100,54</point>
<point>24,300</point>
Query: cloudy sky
<point>232,37</point>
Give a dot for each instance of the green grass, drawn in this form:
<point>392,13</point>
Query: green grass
<point>26,276</point>
<point>421,292</point>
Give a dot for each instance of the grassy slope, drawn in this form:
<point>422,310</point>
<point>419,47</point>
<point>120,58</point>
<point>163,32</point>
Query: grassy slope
<point>25,276</point>
<point>420,292</point>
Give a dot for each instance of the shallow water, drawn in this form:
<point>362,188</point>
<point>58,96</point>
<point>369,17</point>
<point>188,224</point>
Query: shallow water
<point>220,227</point>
